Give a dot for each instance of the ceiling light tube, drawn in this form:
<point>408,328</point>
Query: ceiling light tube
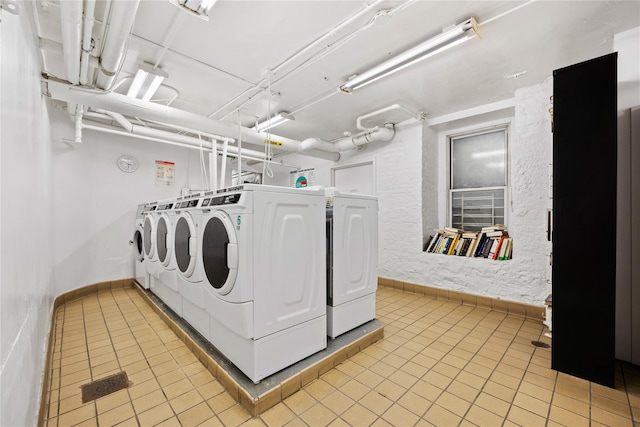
<point>274,121</point>
<point>137,83</point>
<point>146,82</point>
<point>433,46</point>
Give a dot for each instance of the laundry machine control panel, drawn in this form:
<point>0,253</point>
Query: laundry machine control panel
<point>187,204</point>
<point>223,200</point>
<point>165,207</point>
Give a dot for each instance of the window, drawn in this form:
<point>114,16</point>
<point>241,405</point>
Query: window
<point>478,181</point>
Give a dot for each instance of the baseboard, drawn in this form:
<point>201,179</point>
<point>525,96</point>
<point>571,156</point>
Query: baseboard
<point>496,304</point>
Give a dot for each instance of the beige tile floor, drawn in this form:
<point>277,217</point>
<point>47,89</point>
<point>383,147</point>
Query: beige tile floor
<point>440,363</point>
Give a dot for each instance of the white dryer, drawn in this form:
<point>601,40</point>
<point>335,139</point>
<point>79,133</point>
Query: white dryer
<point>263,263</point>
<point>188,262</point>
<point>165,284</point>
<point>352,260</point>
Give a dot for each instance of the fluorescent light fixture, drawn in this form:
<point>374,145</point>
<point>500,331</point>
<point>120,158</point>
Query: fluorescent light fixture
<point>146,82</point>
<point>452,37</point>
<point>274,121</point>
<point>199,8</point>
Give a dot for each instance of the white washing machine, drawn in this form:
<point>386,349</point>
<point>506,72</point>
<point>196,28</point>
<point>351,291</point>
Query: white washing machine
<point>164,282</point>
<point>263,266</point>
<point>352,260</point>
<point>137,245</point>
<point>186,254</point>
<point>149,242</point>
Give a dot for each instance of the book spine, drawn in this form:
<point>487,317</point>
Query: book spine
<point>497,251</point>
<point>481,242</point>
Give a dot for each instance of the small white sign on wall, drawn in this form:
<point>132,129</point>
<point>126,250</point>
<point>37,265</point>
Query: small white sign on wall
<point>302,178</point>
<point>165,173</point>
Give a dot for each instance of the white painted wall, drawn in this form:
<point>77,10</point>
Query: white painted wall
<point>95,203</point>
<point>400,168</point>
<point>26,292</point>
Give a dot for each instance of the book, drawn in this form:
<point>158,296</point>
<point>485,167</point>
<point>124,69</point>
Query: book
<point>497,251</point>
<point>502,250</point>
<point>494,248</point>
<point>427,243</point>
<point>434,243</point>
<point>481,242</point>
<point>495,227</point>
<point>472,247</point>
<point>486,248</point>
<point>453,245</point>
<point>508,242</point>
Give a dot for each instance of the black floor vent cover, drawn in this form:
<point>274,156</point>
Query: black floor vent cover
<point>104,387</point>
<point>540,344</point>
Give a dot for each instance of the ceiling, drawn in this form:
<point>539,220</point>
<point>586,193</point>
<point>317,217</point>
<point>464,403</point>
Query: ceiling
<point>226,64</point>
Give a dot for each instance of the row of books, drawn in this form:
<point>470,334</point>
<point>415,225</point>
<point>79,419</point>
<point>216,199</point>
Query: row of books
<point>491,242</point>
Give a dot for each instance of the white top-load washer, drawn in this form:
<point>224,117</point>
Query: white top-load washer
<point>263,265</point>
<point>165,283</point>
<point>140,274</point>
<point>186,255</point>
<point>352,260</point>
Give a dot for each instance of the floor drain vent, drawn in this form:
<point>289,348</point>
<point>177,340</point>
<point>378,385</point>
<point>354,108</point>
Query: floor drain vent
<point>540,344</point>
<point>104,387</point>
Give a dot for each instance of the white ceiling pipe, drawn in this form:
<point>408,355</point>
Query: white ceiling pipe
<point>120,119</point>
<point>318,144</point>
<point>377,134</point>
<point>123,15</point>
<point>331,33</point>
<point>155,112</point>
<point>71,22</point>
<point>138,130</point>
<point>359,120</point>
<point>89,12</point>
<point>78,125</point>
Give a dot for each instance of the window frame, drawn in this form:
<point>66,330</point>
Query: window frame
<point>504,127</point>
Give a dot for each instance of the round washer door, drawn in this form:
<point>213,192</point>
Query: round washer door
<point>138,244</point>
<point>163,239</point>
<point>149,236</point>
<point>220,252</point>
<point>184,244</point>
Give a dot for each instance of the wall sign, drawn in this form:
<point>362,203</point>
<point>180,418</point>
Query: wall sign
<point>302,178</point>
<point>165,173</point>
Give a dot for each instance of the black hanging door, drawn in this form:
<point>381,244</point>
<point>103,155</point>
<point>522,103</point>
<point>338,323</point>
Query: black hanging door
<point>584,229</point>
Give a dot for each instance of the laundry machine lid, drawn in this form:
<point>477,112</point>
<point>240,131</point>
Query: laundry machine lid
<point>163,239</point>
<point>138,243</point>
<point>148,240</point>
<point>185,250</point>
<point>220,252</point>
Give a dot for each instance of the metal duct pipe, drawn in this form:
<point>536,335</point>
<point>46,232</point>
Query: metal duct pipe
<point>89,12</point>
<point>137,130</point>
<point>376,134</point>
<point>154,112</point>
<point>71,22</point>
<point>123,15</point>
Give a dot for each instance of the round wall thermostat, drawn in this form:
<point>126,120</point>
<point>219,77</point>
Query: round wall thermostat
<point>127,163</point>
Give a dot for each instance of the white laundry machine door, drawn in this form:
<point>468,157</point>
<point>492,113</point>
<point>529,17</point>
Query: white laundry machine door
<point>149,231</point>
<point>164,240</point>
<point>355,249</point>
<point>138,245</point>
<point>220,253</point>
<point>186,247</point>
<point>289,271</point>
<point>138,253</point>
